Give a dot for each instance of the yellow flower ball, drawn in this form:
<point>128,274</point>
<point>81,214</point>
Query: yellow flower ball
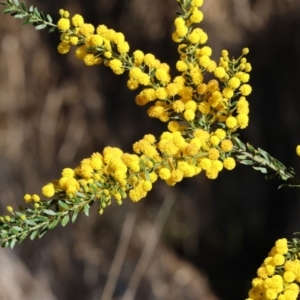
<point>9,209</point>
<point>289,276</point>
<point>164,173</point>
<point>63,24</point>
<point>229,163</point>
<point>245,89</point>
<point>231,122</point>
<point>298,150</point>
<point>226,145</point>
<point>77,20</point>
<point>213,154</point>
<point>189,115</point>
<point>48,190</point>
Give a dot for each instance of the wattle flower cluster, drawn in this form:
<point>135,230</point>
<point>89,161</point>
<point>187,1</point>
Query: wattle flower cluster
<point>279,275</point>
<point>201,116</point>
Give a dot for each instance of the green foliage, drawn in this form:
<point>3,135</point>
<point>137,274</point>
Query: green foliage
<point>261,161</point>
<point>31,15</point>
<point>42,217</point>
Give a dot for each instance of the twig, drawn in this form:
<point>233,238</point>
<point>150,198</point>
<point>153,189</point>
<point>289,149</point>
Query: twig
<point>117,263</point>
<point>149,248</point>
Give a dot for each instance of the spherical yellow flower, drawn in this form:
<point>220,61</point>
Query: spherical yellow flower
<point>89,59</point>
<point>63,24</point>
<point>74,40</point>
<point>228,92</point>
<point>262,272</point>
<point>220,72</point>
<point>204,61</point>
<point>48,190</point>
<point>298,150</point>
<point>242,120</point>
<point>231,122</point>
<point>27,198</point>
<point>248,67</point>
<point>181,66</point>
<point>245,89</point>
<point>234,82</point>
<point>80,52</point>
<point>164,173</point>
<point>181,31</point>
<point>220,133</point>
<point>95,40</point>
<point>9,209</point>
<point>213,154</point>
<point>226,145</point>
<point>123,47</point>
<point>173,126</point>
<point>214,140</point>
<point>77,20</point>
<point>138,57</point>
<point>189,115</point>
<point>281,246</point>
<point>289,276</point>
<point>229,163</point>
<point>35,198</point>
<point>196,17</point>
<point>116,66</point>
<point>278,259</point>
<point>242,106</point>
<point>149,60</point>
<point>270,294</point>
<point>63,47</point>
<point>212,173</point>
<point>162,75</point>
<point>197,3</point>
<point>204,107</point>
<point>172,89</point>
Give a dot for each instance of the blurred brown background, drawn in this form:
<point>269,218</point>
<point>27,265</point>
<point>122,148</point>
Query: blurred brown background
<point>200,240</point>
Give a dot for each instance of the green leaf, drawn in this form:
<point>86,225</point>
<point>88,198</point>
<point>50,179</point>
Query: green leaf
<point>43,219</point>
<point>251,149</point>
<point>65,220</point>
<point>15,232</point>
<point>49,212</point>
<point>41,26</point>
<point>12,243</point>
<point>23,5</point>
<point>31,8</point>
<point>8,10</point>
<point>74,217</point>
<point>53,224</point>
<point>33,234</point>
<point>4,234</point>
<point>17,228</point>
<point>81,195</point>
<point>241,157</point>
<point>247,162</point>
<point>261,169</point>
<point>30,222</point>
<point>49,18</point>
<point>63,205</point>
<point>86,209</point>
<point>22,237</point>
<point>17,3</point>
<point>20,16</point>
<point>264,154</point>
